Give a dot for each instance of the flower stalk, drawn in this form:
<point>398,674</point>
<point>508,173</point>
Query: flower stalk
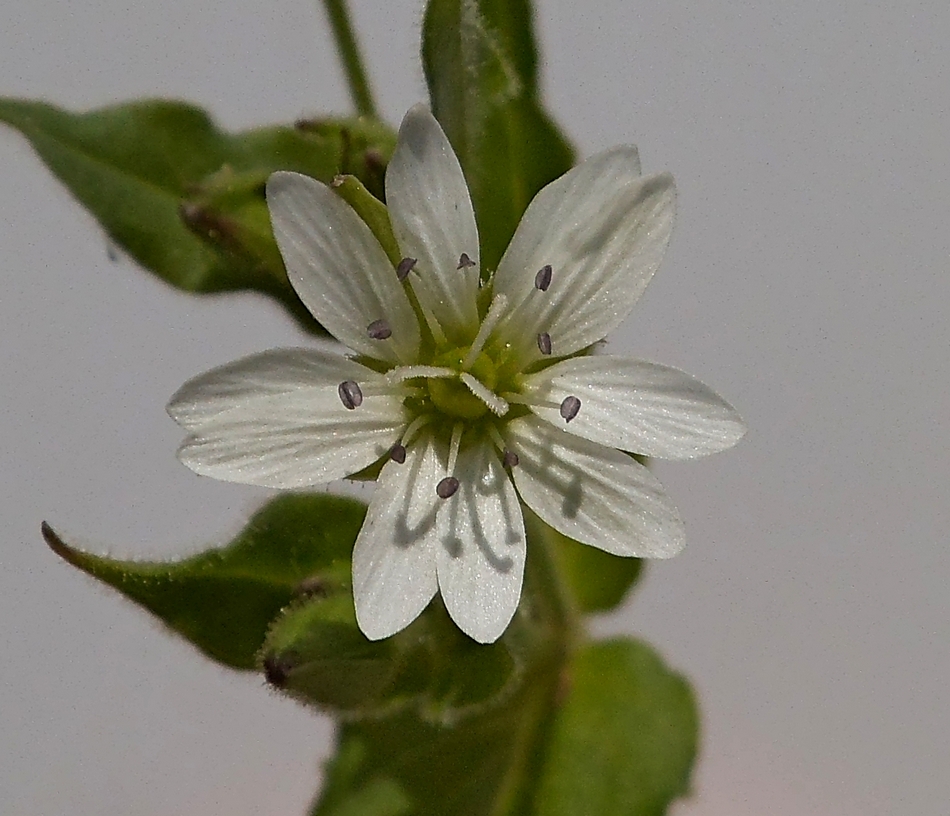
<point>349,52</point>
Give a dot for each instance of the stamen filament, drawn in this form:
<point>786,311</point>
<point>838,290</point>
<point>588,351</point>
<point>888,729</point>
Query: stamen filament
<point>495,311</point>
<point>454,447</point>
<point>403,373</point>
<point>437,334</point>
<point>496,438</point>
<point>414,427</point>
<point>388,388</point>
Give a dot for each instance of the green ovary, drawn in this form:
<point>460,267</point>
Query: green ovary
<point>451,396</point>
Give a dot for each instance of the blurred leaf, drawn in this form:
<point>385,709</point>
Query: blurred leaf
<point>590,579</point>
<point>316,653</point>
<point>184,198</point>
<point>223,600</point>
<point>480,63</point>
<point>623,741</point>
<point>598,580</point>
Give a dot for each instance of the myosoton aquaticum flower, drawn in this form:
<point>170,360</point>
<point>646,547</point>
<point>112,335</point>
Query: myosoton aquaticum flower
<point>476,392</point>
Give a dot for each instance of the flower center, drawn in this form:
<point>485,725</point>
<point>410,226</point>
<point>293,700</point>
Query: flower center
<point>452,396</point>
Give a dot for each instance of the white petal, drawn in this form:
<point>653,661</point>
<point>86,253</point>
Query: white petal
<point>276,419</point>
<point>434,222</point>
<point>637,406</point>
<point>394,560</point>
<point>338,268</point>
<point>603,229</point>
<point>481,546</point>
<point>593,494</point>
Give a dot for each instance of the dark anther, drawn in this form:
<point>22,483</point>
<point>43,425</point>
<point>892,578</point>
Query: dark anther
<point>543,279</point>
<point>511,459</point>
<point>544,342</point>
<point>405,267</point>
<point>277,668</point>
<point>350,394</point>
<point>447,487</point>
<point>569,408</point>
<point>465,262</point>
<point>398,454</point>
<point>379,330</point>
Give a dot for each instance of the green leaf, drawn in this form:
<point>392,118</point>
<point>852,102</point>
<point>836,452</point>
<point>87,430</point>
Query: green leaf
<point>223,600</point>
<point>186,199</point>
<point>624,740</point>
<point>612,733</point>
<point>477,767</point>
<point>480,63</point>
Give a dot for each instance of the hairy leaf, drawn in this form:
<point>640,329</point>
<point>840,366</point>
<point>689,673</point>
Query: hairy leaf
<point>224,600</point>
<point>186,199</point>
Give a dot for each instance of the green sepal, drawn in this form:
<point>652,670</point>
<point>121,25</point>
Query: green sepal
<point>624,739</point>
<point>371,210</point>
<point>480,61</point>
<point>186,199</point>
<point>224,600</point>
<point>316,653</point>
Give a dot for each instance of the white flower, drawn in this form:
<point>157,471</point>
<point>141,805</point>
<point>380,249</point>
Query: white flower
<point>472,395</point>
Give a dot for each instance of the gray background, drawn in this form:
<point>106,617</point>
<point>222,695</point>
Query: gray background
<point>807,281</point>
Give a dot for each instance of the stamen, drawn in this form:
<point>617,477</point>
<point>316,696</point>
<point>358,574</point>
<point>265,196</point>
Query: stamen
<point>398,453</point>
<point>497,405</point>
<point>379,330</point>
<point>405,267</point>
<point>496,438</point>
<point>350,394</point>
<point>498,305</point>
<point>454,446</point>
<point>518,399</point>
<point>403,373</point>
<point>569,408</point>
<point>437,334</point>
<point>543,279</point>
<point>414,427</point>
<point>509,458</point>
<point>544,342</point>
<point>465,262</point>
<point>447,488</point>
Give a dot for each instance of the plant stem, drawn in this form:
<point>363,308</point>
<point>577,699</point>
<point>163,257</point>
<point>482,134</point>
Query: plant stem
<point>349,53</point>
